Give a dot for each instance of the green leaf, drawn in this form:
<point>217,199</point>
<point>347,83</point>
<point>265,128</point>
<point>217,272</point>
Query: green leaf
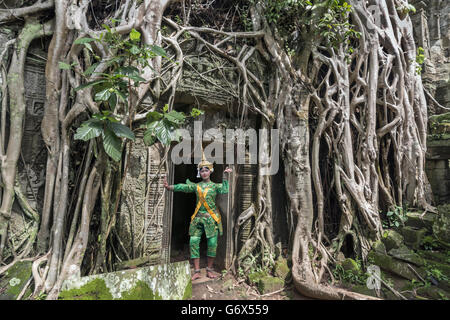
<point>162,132</point>
<point>128,70</point>
<point>134,50</point>
<point>89,129</point>
<point>153,116</point>
<point>112,101</point>
<point>84,40</point>
<point>64,66</point>
<point>122,95</point>
<point>196,112</point>
<point>103,95</point>
<point>91,69</point>
<point>121,131</point>
<point>175,117</point>
<point>90,84</point>
<point>149,137</point>
<point>89,47</point>
<point>112,144</point>
<point>135,35</point>
<point>136,78</point>
<point>158,51</point>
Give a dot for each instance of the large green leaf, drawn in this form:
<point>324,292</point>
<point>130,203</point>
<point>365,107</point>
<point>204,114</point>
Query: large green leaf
<point>128,70</point>
<point>91,69</point>
<point>153,116</point>
<point>112,144</point>
<point>89,129</point>
<point>64,66</point>
<point>136,78</point>
<point>84,40</point>
<point>103,95</point>
<point>112,101</point>
<point>121,131</point>
<point>162,132</point>
<point>90,84</point>
<point>175,117</point>
<point>158,51</point>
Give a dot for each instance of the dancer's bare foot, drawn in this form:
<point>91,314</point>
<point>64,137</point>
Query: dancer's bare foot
<point>210,273</point>
<point>196,275</point>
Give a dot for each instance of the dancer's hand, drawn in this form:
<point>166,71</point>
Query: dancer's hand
<point>166,185</point>
<point>228,170</point>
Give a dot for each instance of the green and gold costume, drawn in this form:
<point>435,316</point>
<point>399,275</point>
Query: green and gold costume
<point>206,217</point>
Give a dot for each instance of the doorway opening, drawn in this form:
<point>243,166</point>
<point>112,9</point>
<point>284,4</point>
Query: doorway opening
<point>183,208</point>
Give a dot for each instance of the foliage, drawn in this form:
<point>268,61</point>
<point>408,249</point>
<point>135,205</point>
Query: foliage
<point>395,217</point>
<point>349,276</point>
<point>433,272</point>
<point>430,243</point>
<point>163,126</point>
<point>325,19</point>
<point>114,85</point>
<point>420,59</point>
<point>109,128</point>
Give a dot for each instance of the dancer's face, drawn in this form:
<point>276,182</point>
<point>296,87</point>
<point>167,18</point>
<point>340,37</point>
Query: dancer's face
<point>205,173</point>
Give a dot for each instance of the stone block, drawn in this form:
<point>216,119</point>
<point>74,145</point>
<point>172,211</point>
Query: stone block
<point>269,284</point>
<point>379,247</point>
<point>413,237</point>
<point>433,293</point>
<point>441,226</point>
<point>281,269</point>
<point>160,282</point>
<point>416,221</point>
<point>351,265</point>
<point>407,255</point>
<point>393,265</point>
<point>138,262</point>
<point>392,239</point>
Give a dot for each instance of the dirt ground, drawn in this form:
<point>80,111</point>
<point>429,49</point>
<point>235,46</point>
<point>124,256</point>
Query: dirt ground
<point>228,288</point>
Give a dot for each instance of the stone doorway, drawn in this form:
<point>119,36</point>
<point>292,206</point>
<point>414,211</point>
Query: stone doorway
<point>183,206</point>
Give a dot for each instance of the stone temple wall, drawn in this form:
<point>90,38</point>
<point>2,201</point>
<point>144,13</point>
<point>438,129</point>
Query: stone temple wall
<point>432,32</point>
<point>32,162</point>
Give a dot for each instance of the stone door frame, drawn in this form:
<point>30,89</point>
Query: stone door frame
<point>225,246</point>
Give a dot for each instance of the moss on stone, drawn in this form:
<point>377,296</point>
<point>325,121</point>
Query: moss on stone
<point>413,237</point>
<point>362,288</point>
<point>434,293</point>
<point>188,291</point>
<point>392,239</point>
<point>93,290</point>
<point>141,291</point>
<point>405,254</point>
<point>254,277</point>
<point>281,269</point>
<point>269,284</point>
<point>379,246</point>
<point>435,256</point>
<point>416,220</point>
<point>441,226</point>
<point>390,264</point>
<point>15,279</point>
<point>351,265</point>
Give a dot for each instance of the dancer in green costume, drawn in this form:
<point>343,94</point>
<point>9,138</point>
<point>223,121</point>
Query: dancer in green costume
<point>206,217</point>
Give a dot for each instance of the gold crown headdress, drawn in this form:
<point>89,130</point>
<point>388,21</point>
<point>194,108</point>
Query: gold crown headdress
<point>204,163</point>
